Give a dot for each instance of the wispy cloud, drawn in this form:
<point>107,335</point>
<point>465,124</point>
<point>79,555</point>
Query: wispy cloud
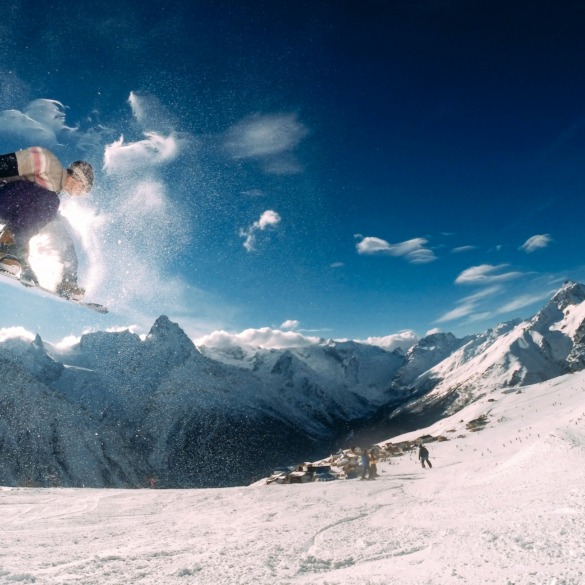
<point>459,312</point>
<point>479,305</point>
<point>415,250</point>
<point>484,304</point>
<point>522,301</point>
<point>269,219</point>
<point>254,193</point>
<point>290,324</point>
<point>470,305</point>
<point>486,274</point>
<point>536,242</point>
<point>269,139</point>
<point>461,249</point>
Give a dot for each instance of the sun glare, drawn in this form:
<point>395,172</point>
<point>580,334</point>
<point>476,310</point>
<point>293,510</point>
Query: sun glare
<point>45,262</point>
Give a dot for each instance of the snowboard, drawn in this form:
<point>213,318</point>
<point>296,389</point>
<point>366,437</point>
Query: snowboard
<point>92,306</point>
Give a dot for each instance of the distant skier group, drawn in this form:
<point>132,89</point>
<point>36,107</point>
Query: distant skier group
<point>369,461</point>
<point>369,464</point>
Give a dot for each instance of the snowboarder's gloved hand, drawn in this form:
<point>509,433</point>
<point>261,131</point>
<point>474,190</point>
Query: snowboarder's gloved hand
<point>70,290</point>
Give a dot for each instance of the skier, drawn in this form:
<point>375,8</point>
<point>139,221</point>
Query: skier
<point>423,455</point>
<point>30,180</point>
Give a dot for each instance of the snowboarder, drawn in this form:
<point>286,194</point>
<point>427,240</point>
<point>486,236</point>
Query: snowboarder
<point>423,455</point>
<point>29,182</point>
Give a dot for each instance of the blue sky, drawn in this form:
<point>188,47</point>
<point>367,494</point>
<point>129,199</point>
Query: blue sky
<point>294,170</point>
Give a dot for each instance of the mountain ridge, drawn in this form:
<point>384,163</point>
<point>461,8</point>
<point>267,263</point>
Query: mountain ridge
<point>208,416</point>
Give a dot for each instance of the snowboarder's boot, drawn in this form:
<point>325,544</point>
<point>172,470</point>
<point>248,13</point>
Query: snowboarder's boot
<point>10,264</point>
<point>70,290</point>
<point>18,267</point>
<point>14,258</point>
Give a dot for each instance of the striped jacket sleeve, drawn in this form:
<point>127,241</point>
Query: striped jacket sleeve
<point>41,166</point>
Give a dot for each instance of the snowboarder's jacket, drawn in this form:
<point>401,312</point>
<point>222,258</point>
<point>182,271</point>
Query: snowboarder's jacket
<point>423,452</point>
<point>29,182</point>
<point>27,208</point>
<point>37,165</point>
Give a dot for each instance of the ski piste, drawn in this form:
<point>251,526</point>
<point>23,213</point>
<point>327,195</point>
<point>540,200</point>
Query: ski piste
<point>92,306</point>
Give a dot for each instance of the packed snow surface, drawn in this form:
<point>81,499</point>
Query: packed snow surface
<point>503,505</point>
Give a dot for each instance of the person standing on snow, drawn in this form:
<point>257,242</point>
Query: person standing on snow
<point>373,464</point>
<point>365,462</point>
<point>30,180</point>
<point>423,455</point>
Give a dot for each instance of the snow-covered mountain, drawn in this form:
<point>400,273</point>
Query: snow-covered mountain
<point>117,409</point>
<point>513,354</point>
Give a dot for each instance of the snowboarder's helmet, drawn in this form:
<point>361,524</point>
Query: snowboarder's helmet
<point>83,172</point>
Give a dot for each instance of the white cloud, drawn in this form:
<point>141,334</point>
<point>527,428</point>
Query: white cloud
<point>403,340</point>
<point>49,113</point>
<point>413,250</point>
<point>268,219</point>
<point>269,138</point>
<point>155,149</point>
<point>262,135</point>
<point>486,274</point>
<point>15,123</point>
<point>290,324</point>
<point>43,123</point>
<point>536,242</point>
<point>15,332</point>
<point>67,343</point>
<point>337,265</point>
<point>264,337</point>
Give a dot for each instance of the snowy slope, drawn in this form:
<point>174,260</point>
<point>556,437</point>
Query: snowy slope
<point>503,505</point>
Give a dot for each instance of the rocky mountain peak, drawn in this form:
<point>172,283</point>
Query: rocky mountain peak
<point>163,327</point>
<point>571,293</point>
<point>165,332</point>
